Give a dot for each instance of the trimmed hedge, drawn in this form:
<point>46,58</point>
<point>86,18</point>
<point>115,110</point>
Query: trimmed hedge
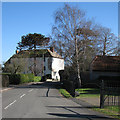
<point>37,78</point>
<point>16,79</point>
<point>31,77</point>
<point>20,78</point>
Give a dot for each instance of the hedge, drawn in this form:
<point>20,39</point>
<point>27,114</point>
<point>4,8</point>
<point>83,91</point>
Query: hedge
<point>16,79</point>
<point>37,78</point>
<point>20,78</point>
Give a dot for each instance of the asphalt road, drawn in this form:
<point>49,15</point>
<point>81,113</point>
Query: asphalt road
<point>43,101</point>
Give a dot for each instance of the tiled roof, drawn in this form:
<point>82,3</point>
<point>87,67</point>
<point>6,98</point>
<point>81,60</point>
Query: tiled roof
<point>38,53</point>
<point>54,54</point>
<point>106,63</point>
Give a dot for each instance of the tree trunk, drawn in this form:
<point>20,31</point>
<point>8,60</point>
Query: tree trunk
<point>35,60</point>
<point>104,49</point>
<point>78,68</point>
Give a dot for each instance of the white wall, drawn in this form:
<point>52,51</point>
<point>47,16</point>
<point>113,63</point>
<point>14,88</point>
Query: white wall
<point>57,64</point>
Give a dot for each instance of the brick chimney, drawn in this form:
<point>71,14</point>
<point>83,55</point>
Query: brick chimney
<point>17,51</point>
<point>52,49</point>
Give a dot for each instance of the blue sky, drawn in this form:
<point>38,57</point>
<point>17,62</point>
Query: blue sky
<point>21,18</point>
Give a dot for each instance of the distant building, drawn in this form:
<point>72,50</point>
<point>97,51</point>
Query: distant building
<point>102,67</point>
<point>105,66</point>
<point>46,62</point>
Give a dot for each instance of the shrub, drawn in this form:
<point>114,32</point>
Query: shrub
<point>24,78</point>
<point>14,79</point>
<point>31,77</point>
<point>20,78</point>
<point>37,78</point>
<point>44,78</point>
<point>48,76</point>
<point>5,80</point>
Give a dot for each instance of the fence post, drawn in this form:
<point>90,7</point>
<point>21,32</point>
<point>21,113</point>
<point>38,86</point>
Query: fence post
<point>119,105</point>
<point>102,94</point>
<point>72,88</point>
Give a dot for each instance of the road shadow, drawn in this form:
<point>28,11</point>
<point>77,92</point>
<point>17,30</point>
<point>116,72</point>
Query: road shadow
<point>88,117</point>
<point>75,114</point>
<point>41,85</point>
<point>47,92</point>
<point>76,107</point>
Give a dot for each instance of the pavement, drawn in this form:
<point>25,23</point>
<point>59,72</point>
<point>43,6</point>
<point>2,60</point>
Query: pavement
<point>43,100</point>
<point>94,101</point>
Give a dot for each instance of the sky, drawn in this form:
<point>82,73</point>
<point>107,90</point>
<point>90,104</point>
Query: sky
<point>21,18</point>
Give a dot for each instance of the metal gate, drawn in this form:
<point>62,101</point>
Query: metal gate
<point>110,93</point>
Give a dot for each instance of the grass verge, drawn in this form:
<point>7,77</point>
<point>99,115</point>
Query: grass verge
<point>91,93</point>
<point>65,93</point>
<point>88,92</point>
<point>109,110</point>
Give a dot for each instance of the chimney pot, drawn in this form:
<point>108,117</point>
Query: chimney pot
<point>17,51</point>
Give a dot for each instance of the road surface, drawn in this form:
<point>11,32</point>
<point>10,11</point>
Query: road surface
<point>43,100</point>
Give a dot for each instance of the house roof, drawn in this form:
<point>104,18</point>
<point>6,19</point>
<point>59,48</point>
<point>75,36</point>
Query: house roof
<point>38,53</point>
<point>106,63</point>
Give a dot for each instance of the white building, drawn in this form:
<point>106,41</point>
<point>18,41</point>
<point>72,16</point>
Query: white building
<point>46,62</point>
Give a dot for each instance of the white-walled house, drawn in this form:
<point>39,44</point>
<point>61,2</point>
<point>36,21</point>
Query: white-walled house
<point>46,62</point>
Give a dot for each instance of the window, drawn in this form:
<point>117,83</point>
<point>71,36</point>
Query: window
<point>54,73</point>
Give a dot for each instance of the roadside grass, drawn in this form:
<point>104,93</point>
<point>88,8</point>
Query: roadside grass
<point>65,93</point>
<point>113,111</point>
<point>88,92</point>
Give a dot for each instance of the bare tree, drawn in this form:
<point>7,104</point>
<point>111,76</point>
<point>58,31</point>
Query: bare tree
<point>73,33</point>
<point>15,65</point>
<point>58,46</point>
<point>107,42</point>
<point>39,69</point>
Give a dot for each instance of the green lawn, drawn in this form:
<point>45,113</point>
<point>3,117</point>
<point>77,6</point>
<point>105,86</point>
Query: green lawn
<point>93,92</point>
<point>113,111</point>
<point>88,92</point>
